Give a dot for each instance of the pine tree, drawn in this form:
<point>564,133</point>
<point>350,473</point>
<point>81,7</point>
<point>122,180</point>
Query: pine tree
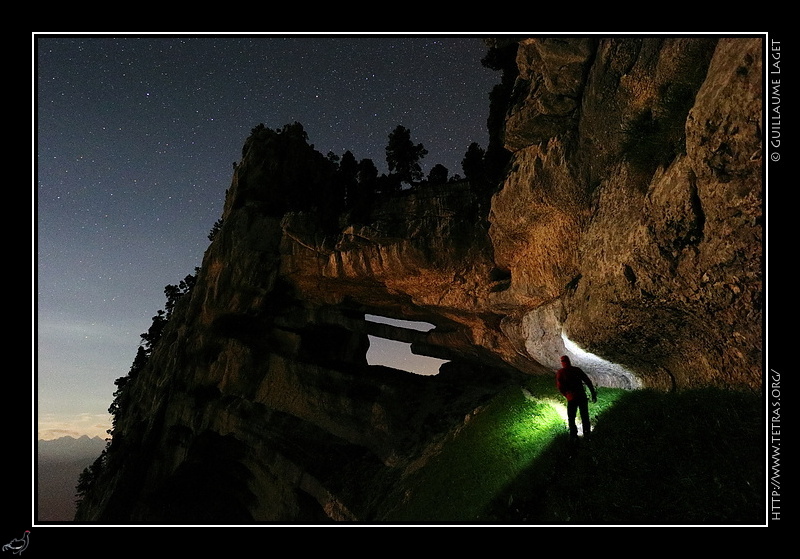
<point>403,157</point>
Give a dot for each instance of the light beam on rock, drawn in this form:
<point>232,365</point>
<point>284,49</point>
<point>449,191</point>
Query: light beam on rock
<point>611,374</point>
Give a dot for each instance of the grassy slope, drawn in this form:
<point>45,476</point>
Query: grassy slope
<point>695,457</point>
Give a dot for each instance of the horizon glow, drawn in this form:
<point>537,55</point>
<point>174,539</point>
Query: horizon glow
<point>52,426</point>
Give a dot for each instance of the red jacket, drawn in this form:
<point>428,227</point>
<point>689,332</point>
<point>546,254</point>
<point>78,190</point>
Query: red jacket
<point>570,381</point>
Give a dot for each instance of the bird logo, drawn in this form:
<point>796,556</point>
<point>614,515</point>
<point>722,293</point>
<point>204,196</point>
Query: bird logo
<point>18,545</point>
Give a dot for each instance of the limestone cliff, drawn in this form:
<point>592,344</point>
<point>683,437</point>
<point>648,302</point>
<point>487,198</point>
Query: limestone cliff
<point>632,217</point>
<point>628,224</point>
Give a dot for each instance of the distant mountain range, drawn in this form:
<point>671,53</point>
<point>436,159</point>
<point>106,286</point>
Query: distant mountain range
<point>58,466</point>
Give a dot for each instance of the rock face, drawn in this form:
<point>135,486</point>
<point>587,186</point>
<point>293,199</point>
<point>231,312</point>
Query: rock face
<point>633,223</point>
<point>628,225</point>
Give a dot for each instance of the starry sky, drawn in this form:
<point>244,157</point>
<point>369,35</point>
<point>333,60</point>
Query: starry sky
<point>134,143</point>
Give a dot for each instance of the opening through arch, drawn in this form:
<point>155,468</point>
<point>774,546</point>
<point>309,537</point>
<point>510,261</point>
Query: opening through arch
<point>397,354</point>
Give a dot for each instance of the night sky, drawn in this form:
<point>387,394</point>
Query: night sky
<point>135,140</point>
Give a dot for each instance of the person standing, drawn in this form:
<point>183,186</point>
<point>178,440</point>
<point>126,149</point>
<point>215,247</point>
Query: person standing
<point>570,381</point>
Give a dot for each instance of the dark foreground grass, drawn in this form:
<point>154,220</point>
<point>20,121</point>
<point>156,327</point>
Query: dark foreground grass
<point>689,458</point>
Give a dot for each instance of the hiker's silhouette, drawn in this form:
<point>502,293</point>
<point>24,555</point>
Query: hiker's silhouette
<point>570,381</point>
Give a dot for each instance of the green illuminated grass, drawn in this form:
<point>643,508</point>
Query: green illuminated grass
<point>493,448</point>
<point>694,457</point>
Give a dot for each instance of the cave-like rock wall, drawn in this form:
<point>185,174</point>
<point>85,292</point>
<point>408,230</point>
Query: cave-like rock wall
<point>632,218</point>
<point>628,225</point>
